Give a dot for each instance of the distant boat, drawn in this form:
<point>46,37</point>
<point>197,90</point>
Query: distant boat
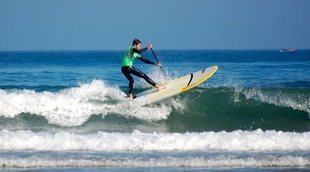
<point>287,50</point>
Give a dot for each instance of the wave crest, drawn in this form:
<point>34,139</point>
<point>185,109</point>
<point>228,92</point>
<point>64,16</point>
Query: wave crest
<point>74,106</point>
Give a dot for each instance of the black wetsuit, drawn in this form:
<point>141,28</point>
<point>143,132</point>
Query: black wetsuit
<point>128,69</point>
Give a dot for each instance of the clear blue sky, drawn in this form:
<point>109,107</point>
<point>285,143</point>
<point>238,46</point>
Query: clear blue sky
<point>168,24</point>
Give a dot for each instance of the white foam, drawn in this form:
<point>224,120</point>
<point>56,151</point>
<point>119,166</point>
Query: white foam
<point>297,102</point>
<point>101,141</point>
<point>74,106</point>
<point>221,161</point>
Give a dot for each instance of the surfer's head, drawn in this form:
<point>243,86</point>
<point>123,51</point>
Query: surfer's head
<point>136,43</point>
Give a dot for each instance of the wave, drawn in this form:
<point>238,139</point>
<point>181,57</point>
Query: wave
<point>232,108</point>
<point>155,161</point>
<point>99,105</point>
<point>74,106</point>
<point>28,149</point>
<point>137,141</point>
<point>296,99</point>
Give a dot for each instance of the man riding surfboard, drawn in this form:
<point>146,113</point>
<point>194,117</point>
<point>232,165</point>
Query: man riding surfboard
<point>132,53</point>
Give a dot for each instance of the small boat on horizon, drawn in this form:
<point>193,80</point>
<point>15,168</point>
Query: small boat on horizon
<point>287,50</point>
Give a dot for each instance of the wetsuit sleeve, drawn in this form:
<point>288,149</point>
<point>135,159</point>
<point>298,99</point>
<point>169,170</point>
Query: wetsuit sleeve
<point>146,60</point>
<point>143,50</point>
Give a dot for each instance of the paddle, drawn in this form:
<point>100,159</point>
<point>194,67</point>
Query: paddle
<point>157,60</point>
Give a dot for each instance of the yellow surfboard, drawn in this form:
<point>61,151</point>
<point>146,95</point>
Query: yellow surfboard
<point>177,86</point>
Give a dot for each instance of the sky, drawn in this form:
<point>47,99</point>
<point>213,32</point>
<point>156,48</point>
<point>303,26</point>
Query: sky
<point>167,24</point>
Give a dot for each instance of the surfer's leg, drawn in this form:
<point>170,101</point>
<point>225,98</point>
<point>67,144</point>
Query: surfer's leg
<point>126,72</point>
<point>140,74</point>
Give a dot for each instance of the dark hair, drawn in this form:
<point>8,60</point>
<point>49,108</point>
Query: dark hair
<point>136,41</point>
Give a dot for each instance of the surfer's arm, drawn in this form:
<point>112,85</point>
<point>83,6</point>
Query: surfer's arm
<point>146,48</point>
<point>143,50</point>
<point>146,61</point>
<point>139,51</point>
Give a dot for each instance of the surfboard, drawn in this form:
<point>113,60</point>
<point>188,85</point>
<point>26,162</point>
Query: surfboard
<point>177,86</point>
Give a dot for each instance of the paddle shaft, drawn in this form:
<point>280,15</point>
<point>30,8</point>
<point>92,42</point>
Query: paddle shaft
<point>157,60</point>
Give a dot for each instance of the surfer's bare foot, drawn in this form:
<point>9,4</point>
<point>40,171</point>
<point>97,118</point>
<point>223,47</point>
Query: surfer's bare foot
<point>159,87</point>
<point>130,96</point>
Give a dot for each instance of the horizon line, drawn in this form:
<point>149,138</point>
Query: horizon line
<point>55,50</point>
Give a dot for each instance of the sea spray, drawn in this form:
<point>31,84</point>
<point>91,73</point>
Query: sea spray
<point>74,106</point>
<point>239,140</point>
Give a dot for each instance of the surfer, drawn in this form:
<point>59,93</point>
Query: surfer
<point>132,53</point>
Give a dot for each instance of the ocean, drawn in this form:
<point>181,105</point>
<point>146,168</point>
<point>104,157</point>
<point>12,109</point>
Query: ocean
<point>67,111</point>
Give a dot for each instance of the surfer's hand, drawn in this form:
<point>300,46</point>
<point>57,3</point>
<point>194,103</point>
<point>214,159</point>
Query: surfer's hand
<point>150,46</point>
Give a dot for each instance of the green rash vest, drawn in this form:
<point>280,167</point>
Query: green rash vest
<point>129,57</point>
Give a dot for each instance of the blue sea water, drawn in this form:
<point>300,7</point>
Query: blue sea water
<point>66,110</point>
